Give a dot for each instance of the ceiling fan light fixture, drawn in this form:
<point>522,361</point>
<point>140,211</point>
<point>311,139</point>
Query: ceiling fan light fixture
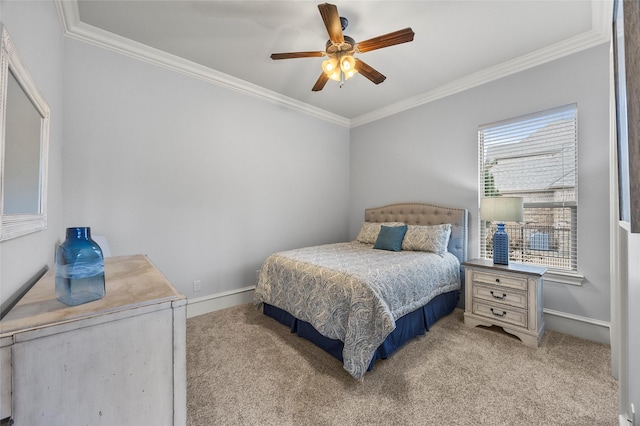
<point>335,75</point>
<point>349,74</point>
<point>341,65</point>
<point>339,68</point>
<point>347,63</point>
<point>330,66</point>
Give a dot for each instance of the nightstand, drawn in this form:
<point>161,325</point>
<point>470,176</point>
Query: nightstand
<point>508,296</point>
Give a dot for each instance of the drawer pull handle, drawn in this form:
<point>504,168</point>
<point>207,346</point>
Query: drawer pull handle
<point>497,280</point>
<point>504,296</point>
<point>498,314</point>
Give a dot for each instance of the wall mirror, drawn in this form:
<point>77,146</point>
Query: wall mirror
<point>24,145</point>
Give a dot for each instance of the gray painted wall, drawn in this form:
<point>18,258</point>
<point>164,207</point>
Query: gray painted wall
<point>35,30</point>
<point>430,153</point>
<point>206,181</point>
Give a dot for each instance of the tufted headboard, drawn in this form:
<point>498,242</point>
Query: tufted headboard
<point>426,214</point>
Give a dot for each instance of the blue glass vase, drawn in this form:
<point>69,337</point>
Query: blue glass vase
<point>501,246</point>
<point>79,268</point>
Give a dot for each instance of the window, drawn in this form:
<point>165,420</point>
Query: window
<point>534,157</point>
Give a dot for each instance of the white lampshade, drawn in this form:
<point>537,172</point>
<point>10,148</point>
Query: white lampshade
<point>502,209</point>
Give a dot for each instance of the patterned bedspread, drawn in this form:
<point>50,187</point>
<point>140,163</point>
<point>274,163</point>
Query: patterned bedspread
<point>351,292</point>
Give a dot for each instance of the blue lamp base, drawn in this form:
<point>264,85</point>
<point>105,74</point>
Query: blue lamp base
<point>501,246</point>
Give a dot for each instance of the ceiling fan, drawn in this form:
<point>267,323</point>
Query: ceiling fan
<point>341,65</point>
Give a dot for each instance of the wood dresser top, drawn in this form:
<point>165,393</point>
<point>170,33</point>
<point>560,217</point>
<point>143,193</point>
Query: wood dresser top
<point>131,282</point>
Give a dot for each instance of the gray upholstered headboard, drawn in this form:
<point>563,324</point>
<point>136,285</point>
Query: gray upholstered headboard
<point>427,214</point>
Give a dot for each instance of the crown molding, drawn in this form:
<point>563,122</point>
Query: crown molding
<point>601,18</point>
<point>548,54</point>
<point>74,28</point>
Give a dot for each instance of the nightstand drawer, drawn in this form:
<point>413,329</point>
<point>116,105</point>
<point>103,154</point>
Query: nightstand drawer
<point>501,313</point>
<point>501,280</point>
<point>501,295</point>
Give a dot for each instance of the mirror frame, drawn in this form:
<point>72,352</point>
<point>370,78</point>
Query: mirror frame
<point>15,225</point>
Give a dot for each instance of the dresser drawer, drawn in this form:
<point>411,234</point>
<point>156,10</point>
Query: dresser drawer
<point>502,313</point>
<point>501,280</point>
<point>501,295</point>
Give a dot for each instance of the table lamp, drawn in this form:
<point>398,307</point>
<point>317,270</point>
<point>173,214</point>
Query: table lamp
<point>501,209</point>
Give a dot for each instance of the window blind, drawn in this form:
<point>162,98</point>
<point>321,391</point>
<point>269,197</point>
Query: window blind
<point>534,157</point>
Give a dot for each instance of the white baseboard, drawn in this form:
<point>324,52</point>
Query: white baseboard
<point>579,326</point>
<point>215,302</point>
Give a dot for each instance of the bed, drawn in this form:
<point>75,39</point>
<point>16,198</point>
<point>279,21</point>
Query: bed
<point>361,300</point>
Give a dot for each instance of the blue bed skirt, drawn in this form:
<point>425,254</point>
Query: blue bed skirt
<point>413,324</point>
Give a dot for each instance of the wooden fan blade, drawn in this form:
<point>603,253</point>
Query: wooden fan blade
<point>396,37</point>
<point>369,72</point>
<point>292,55</point>
<point>322,80</point>
<point>329,13</point>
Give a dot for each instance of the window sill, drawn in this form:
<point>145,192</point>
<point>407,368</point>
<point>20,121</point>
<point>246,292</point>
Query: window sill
<point>563,278</point>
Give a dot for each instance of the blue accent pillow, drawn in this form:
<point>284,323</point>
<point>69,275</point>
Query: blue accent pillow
<point>390,238</point>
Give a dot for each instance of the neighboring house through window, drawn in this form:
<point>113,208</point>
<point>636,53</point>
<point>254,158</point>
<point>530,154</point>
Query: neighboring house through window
<point>534,157</point>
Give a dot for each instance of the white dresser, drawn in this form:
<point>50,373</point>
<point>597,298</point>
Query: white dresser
<point>508,296</point>
<point>119,360</point>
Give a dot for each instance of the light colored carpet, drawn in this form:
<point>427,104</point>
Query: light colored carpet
<point>244,368</point>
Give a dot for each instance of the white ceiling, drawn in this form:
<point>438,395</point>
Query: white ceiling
<point>458,44</point>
